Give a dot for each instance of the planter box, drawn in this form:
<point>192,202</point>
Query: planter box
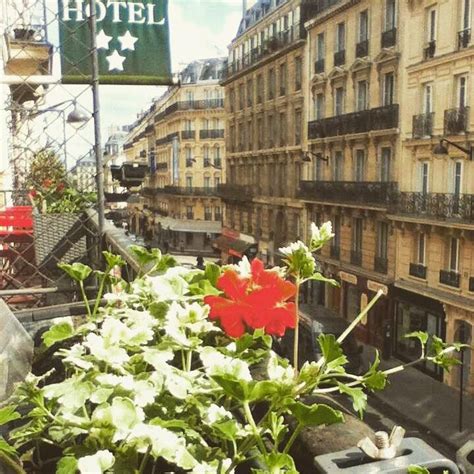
<point>59,238</point>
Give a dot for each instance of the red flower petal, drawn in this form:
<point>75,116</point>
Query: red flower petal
<point>232,284</point>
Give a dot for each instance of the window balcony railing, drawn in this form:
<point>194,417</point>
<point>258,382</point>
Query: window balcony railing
<point>217,163</point>
<point>450,278</point>
<point>218,217</point>
<point>362,49</point>
<point>389,38</point>
<point>381,264</point>
<point>418,270</point>
<point>208,217</point>
<point>356,257</point>
<point>380,118</point>
<point>211,134</point>
<point>362,192</point>
<point>188,134</point>
<point>190,190</point>
<point>423,125</point>
<point>430,50</point>
<point>207,163</point>
<point>464,38</point>
<point>456,121</point>
<point>235,192</point>
<point>189,162</point>
<point>335,251</point>
<point>319,66</point>
<point>162,167</point>
<point>436,205</point>
<point>340,57</point>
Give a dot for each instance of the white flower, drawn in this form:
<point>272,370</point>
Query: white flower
<point>294,247</point>
<point>215,414</point>
<point>217,363</point>
<point>75,356</point>
<point>321,235</point>
<point>206,468</point>
<point>243,268</point>
<point>279,373</point>
<point>97,463</point>
<point>315,233</point>
<point>103,351</point>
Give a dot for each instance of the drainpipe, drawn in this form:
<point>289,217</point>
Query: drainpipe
<point>244,8</point>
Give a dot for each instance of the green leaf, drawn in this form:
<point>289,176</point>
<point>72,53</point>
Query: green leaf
<point>144,256</point>
<point>113,260</point>
<point>58,332</point>
<point>319,277</point>
<point>158,309</point>
<point>6,449</point>
<point>279,462</point>
<point>315,415</point>
<point>233,387</point>
<point>203,287</point>
<point>374,378</point>
<point>359,398</point>
<point>228,429</point>
<point>417,470</point>
<point>8,414</point>
<point>66,465</point>
<point>331,349</point>
<point>77,271</point>
<point>212,273</point>
<point>420,335</point>
<point>263,390</point>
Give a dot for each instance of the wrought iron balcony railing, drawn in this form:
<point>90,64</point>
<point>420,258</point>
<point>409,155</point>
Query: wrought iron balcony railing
<point>464,37</point>
<point>381,264</point>
<point>423,125</point>
<point>418,270</point>
<point>214,133</point>
<point>389,38</point>
<point>335,251</point>
<point>380,118</point>
<point>148,192</point>
<point>362,49</point>
<point>188,134</point>
<point>235,192</point>
<point>217,163</point>
<point>450,278</point>
<point>362,192</point>
<point>340,57</point>
<point>207,163</point>
<point>436,205</point>
<point>319,66</point>
<point>456,120</point>
<point>189,191</point>
<point>430,50</point>
<point>356,257</point>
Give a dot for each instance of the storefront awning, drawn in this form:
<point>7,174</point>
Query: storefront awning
<point>183,225</point>
<point>235,247</point>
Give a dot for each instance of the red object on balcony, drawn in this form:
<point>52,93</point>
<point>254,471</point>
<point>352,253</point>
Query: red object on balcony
<point>16,221</point>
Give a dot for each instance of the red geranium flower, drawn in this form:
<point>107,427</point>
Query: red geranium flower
<point>47,183</point>
<point>60,187</point>
<point>260,301</point>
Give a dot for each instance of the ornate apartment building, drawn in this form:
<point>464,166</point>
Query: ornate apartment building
<point>434,222</point>
<point>265,84</point>
<point>181,140</point>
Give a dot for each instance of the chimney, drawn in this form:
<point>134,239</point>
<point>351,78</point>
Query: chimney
<point>244,8</point>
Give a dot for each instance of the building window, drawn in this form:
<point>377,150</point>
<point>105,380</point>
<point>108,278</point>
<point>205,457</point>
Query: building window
<point>421,249</point>
<point>271,131</point>
<point>260,132</point>
<point>319,106</point>
<point>339,101</point>
<point>462,92</point>
<point>363,26</point>
<point>453,255</point>
<point>298,73</point>
<point>249,93</point>
<point>382,240</point>
<point>357,231</point>
<point>431,25</point>
<point>359,168</point>
<point>385,164</point>
<point>388,88</point>
<point>259,89</point>
<point>282,79</point>
<point>390,15</point>
<point>217,213</point>
<point>271,83</point>
<point>340,37</point>
<point>217,181</point>
<point>362,95</point>
<point>283,129</point>
<point>336,241</point>
<point>298,119</point>
<point>338,166</point>
<point>318,169</point>
<point>189,212</point>
<point>207,182</point>
<point>427,98</point>
<point>241,96</point>
<point>207,213</point>
<point>189,182</point>
<point>424,170</point>
<point>321,47</point>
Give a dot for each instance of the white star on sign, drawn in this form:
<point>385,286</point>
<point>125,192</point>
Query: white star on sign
<point>115,61</point>
<point>127,41</point>
<point>103,40</point>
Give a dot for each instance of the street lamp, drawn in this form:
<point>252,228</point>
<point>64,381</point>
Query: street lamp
<point>306,157</point>
<point>441,149</point>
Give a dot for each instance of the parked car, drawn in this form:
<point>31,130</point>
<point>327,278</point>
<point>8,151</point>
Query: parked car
<point>316,320</point>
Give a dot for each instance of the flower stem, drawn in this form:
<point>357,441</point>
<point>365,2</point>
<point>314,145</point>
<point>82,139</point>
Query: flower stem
<point>189,359</point>
<point>86,301</point>
<point>144,461</point>
<point>293,438</point>
<point>297,328</point>
<point>99,295</point>
<point>250,419</point>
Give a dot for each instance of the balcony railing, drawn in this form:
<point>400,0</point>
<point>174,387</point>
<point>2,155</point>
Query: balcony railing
<point>389,38</point>
<point>363,192</point>
<point>189,162</point>
<point>188,134</point>
<point>380,118</point>
<point>356,257</point>
<point>450,278</point>
<point>319,66</point>
<point>161,166</point>
<point>214,133</point>
<point>418,270</point>
<point>270,46</point>
<point>429,50</point>
<point>335,251</point>
<point>148,192</point>
<point>217,163</point>
<point>381,264</point>
<point>207,163</point>
<point>436,205</point>
<point>464,37</point>
<point>235,192</point>
<point>456,120</point>
<point>189,191</point>
<point>340,57</point>
<point>423,125</point>
<point>362,49</point>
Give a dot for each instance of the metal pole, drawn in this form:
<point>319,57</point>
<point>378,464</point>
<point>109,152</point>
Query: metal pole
<point>96,107</point>
<point>461,389</point>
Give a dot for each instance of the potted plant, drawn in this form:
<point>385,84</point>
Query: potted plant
<point>23,21</point>
<point>177,373</point>
<point>58,211</point>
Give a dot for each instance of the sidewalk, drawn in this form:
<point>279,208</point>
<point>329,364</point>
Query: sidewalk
<point>429,403</point>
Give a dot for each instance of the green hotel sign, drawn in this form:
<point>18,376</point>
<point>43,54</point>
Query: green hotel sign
<point>132,41</point>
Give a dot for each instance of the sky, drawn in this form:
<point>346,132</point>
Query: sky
<point>199,29</point>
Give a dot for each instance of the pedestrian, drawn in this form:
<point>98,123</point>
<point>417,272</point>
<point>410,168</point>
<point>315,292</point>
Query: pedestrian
<point>200,262</point>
